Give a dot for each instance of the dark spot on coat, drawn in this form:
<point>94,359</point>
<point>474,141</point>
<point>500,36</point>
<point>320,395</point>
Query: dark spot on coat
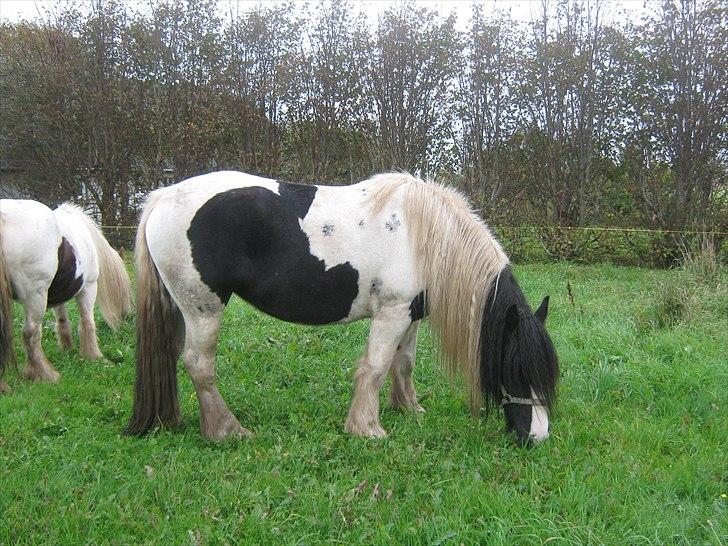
<point>393,223</point>
<point>417,309</point>
<point>361,224</point>
<point>65,284</point>
<point>248,241</point>
<point>376,286</point>
<point>297,196</point>
<point>328,230</point>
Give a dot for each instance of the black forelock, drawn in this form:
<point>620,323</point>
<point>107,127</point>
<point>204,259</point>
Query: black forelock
<point>531,345</point>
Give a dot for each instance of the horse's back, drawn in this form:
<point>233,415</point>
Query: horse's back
<point>31,239</point>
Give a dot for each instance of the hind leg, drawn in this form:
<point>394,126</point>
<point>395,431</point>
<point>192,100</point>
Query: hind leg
<point>37,367</point>
<point>387,329</point>
<point>63,327</point>
<point>89,345</point>
<point>403,395</point>
<point>216,420</point>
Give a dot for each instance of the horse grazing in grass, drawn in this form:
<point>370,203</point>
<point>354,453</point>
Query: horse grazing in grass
<point>393,248</point>
<point>46,258</point>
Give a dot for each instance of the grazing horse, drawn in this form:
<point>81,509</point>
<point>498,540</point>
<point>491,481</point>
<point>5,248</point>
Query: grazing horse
<point>46,258</point>
<point>393,248</point>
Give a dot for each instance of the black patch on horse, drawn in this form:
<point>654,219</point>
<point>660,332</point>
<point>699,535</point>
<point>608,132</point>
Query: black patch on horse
<point>298,196</point>
<point>65,284</point>
<point>417,309</point>
<point>248,241</point>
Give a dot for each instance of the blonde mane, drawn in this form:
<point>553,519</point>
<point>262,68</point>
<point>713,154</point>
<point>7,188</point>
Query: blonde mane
<point>458,259</point>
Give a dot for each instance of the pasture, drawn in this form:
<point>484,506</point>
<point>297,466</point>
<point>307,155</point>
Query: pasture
<point>637,452</point>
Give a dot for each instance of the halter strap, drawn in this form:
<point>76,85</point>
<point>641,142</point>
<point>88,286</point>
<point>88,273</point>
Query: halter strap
<point>508,399</point>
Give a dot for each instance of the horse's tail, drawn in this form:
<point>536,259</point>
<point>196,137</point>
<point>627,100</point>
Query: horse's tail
<point>114,287</point>
<point>6,313</point>
<point>158,336</point>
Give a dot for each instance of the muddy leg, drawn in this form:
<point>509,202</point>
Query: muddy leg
<point>37,367</point>
<point>387,329</point>
<point>89,345</point>
<point>216,420</point>
<point>403,395</point>
<point>64,334</point>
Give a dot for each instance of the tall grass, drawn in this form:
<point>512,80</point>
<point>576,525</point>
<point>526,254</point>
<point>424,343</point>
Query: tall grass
<point>694,287</point>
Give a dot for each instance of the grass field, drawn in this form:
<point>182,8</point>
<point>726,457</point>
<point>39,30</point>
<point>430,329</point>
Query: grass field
<point>638,452</point>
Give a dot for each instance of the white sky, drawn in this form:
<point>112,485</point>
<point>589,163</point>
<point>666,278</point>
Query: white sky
<point>523,10</point>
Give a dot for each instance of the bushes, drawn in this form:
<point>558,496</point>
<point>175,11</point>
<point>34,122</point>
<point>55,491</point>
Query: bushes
<point>633,247</point>
<point>699,287</point>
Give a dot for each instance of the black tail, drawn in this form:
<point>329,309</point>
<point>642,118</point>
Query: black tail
<point>158,334</point>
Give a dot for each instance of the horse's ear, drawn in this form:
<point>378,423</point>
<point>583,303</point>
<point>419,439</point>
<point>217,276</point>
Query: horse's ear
<point>542,310</point>
<point>511,318</point>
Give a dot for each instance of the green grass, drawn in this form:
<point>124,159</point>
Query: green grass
<point>638,452</point>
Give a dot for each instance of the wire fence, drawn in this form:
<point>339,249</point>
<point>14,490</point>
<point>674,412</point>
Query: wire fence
<point>588,244</point>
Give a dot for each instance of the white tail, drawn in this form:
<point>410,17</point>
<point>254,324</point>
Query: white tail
<point>114,293</point>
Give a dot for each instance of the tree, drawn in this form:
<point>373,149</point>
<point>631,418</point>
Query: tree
<point>261,48</point>
<point>572,100</point>
<point>486,104</point>
<point>414,62</point>
<point>327,120</point>
<point>680,117</point>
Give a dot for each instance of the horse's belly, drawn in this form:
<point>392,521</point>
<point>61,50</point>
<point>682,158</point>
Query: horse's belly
<point>308,295</point>
<point>67,282</point>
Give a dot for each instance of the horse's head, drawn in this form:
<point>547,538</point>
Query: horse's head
<point>519,367</point>
<point>529,372</point>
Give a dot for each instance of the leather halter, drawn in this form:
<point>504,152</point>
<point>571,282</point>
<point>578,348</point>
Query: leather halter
<point>508,399</point>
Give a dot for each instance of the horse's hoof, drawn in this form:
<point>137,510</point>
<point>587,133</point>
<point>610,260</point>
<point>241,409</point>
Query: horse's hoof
<point>232,430</point>
<point>92,355</point>
<point>239,432</point>
<point>395,404</point>
<point>42,376</point>
<point>365,431</point>
<point>377,432</point>
<point>4,388</point>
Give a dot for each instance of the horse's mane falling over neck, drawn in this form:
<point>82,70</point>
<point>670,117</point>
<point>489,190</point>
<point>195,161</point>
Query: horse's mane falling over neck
<point>458,261</point>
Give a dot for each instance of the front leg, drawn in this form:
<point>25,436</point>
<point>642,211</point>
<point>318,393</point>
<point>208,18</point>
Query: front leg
<point>386,331</point>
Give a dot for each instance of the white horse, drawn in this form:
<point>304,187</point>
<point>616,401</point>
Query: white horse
<point>392,248</point>
<point>46,258</point>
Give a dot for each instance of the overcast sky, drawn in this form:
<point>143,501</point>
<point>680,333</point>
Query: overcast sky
<point>524,10</point>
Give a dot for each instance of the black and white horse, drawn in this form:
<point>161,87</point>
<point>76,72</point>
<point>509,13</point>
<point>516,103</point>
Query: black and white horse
<point>46,258</point>
<point>392,248</point>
